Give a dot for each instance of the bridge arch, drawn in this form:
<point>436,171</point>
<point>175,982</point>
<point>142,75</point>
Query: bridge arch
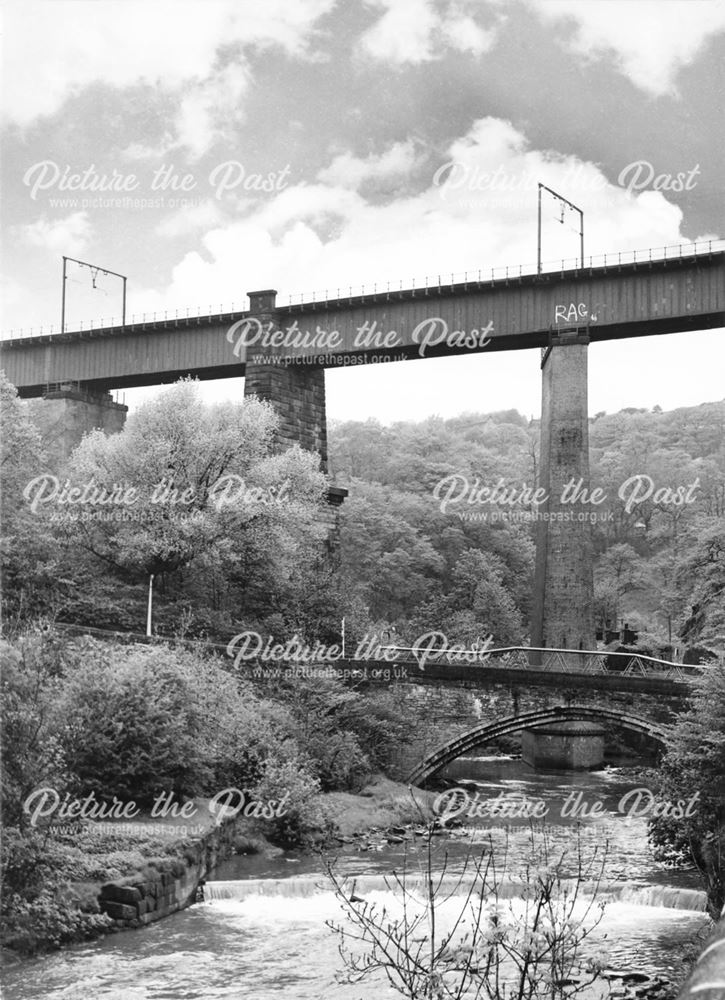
<point>532,720</point>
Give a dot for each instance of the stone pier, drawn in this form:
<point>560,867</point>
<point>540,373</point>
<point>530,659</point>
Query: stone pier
<point>568,746</point>
<point>66,414</point>
<point>297,391</point>
<point>563,606</point>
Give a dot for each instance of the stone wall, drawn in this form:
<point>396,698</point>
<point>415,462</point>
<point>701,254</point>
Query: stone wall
<point>139,900</point>
<point>297,393</point>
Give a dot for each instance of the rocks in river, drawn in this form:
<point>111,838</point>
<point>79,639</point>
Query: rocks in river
<point>634,977</point>
<point>636,985</point>
<point>623,974</point>
<point>377,838</point>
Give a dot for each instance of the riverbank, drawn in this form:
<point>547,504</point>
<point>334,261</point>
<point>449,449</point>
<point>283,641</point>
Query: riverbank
<point>381,805</point>
<point>269,931</point>
<point>106,877</point>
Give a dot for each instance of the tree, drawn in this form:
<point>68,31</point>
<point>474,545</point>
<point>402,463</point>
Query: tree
<point>447,935</point>
<point>32,723</point>
<point>195,496</point>
<point>32,567</point>
<point>478,604</point>
<point>701,580</point>
<point>617,573</point>
<point>694,762</point>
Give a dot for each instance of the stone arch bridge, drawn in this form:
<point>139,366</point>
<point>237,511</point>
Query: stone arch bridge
<point>456,708</point>
<point>556,715</point>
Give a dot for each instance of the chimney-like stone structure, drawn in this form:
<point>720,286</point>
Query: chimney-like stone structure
<point>563,606</point>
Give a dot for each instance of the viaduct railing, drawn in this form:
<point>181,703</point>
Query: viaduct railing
<point>427,284</point>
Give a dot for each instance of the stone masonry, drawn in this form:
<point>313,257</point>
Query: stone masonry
<point>563,612</point>
<point>64,416</point>
<point>296,391</point>
<point>443,712</point>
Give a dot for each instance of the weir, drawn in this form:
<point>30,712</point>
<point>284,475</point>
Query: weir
<point>692,900</point>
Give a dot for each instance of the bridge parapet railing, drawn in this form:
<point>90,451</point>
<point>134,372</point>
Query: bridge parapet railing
<point>552,660</point>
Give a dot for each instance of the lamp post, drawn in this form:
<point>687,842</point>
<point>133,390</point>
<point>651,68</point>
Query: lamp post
<point>543,187</point>
<point>150,604</point>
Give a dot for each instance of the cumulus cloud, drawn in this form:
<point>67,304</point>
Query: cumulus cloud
<point>648,41</point>
<point>403,33</point>
<point>347,170</point>
<point>477,211</point>
<point>465,35</point>
<point>417,31</point>
<point>70,235</point>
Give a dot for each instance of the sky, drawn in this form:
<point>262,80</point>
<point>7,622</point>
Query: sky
<point>207,148</point>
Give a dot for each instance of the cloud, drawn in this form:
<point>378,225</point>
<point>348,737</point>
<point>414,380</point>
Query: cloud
<point>403,33</point>
<point>465,35</point>
<point>351,171</point>
<point>188,220</point>
<point>210,108</point>
<point>61,47</point>
<point>327,237</point>
<point>416,31</point>
<point>649,41</point>
<point>69,235</point>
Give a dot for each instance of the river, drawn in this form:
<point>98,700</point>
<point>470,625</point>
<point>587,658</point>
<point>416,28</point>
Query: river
<point>261,932</point>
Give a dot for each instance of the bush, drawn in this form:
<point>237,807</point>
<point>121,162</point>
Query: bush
<point>135,727</point>
<point>38,910</point>
<point>304,820</point>
<point>32,725</point>
<point>694,762</point>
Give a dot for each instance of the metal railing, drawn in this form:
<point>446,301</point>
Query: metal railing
<point>431,284</point>
<point>551,660</point>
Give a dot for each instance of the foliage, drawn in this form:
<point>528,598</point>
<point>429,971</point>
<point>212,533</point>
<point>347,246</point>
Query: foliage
<point>51,883</point>
<point>33,750</point>
<point>29,555</point>
<point>246,552</point>
<point>302,819</point>
<point>695,763</point>
<point>345,733</point>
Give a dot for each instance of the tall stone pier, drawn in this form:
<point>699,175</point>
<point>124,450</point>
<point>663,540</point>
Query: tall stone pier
<point>297,391</point>
<point>563,606</point>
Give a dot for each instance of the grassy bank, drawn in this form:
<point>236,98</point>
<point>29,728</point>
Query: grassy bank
<point>381,804</point>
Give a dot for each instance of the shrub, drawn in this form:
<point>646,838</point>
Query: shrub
<point>304,819</point>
